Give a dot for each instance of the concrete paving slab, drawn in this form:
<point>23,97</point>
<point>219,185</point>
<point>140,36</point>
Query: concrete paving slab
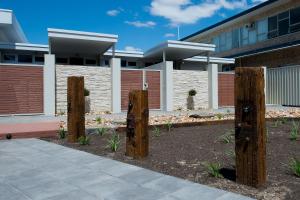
<point>33,169</point>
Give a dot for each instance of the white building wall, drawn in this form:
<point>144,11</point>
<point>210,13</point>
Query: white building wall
<point>185,80</point>
<point>96,79</point>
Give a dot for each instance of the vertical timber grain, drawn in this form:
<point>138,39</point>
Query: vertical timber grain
<point>76,104</point>
<point>137,138</point>
<point>250,131</point>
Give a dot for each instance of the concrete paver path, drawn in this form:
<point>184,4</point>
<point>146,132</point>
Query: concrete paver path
<point>32,169</point>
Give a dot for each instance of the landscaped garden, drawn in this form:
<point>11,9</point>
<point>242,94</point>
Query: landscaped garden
<point>205,154</point>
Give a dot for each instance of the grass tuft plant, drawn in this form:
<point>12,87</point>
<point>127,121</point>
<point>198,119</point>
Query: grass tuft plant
<point>295,166</point>
<point>101,131</point>
<point>84,140</point>
<point>230,154</point>
<point>294,134</point>
<point>228,137</point>
<point>219,116</point>
<point>213,169</point>
<point>61,132</point>
<point>114,142</point>
<point>98,120</point>
<point>156,131</point>
<point>169,126</point>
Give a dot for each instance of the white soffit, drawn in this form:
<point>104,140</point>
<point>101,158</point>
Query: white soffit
<point>120,53</point>
<point>24,47</point>
<point>177,50</point>
<point>78,42</point>
<point>211,60</point>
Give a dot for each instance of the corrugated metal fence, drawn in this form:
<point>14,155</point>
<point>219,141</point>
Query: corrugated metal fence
<point>283,86</point>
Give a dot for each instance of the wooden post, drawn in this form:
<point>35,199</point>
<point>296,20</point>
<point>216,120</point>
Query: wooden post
<point>137,138</point>
<point>76,104</point>
<point>250,130</point>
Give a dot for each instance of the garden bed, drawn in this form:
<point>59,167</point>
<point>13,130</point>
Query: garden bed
<point>184,152</point>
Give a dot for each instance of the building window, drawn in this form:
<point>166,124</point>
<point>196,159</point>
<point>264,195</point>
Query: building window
<point>132,64</point>
<point>39,59</point>
<point>123,63</point>
<point>215,41</point>
<point>62,61</point>
<point>272,27</point>
<point>283,23</point>
<point>90,62</point>
<point>262,30</point>
<point>25,58</point>
<point>228,40</point>
<point>295,20</point>
<point>76,61</point>
<point>9,58</point>
<point>235,38</point>
<point>244,35</point>
<point>106,62</point>
<point>223,42</point>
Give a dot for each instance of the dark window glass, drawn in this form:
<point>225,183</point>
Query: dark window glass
<point>295,28</point>
<point>90,62</point>
<point>76,61</point>
<point>132,64</point>
<point>272,23</point>
<point>106,62</point>
<point>62,60</point>
<point>148,64</point>
<point>9,58</point>
<point>235,38</point>
<point>25,58</point>
<point>284,26</point>
<point>39,59</point>
<point>123,63</point>
<point>295,15</point>
<point>283,15</point>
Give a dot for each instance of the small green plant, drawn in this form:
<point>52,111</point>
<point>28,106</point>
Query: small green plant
<point>294,132</point>
<point>98,120</point>
<point>169,126</point>
<point>230,154</point>
<point>228,111</point>
<point>61,132</point>
<point>156,131</point>
<point>61,112</point>
<point>213,169</point>
<point>267,135</point>
<point>228,137</point>
<point>277,123</point>
<point>114,142</point>
<point>283,120</point>
<point>192,92</point>
<point>295,166</point>
<point>101,131</point>
<point>86,92</point>
<point>219,116</point>
<point>84,140</point>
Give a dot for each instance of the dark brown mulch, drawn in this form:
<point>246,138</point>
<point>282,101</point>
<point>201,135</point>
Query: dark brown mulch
<point>182,152</point>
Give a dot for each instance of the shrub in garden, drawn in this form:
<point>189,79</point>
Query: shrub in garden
<point>98,120</point>
<point>294,132</point>
<point>213,169</point>
<point>114,142</point>
<point>295,166</point>
<point>86,92</point>
<point>61,132</point>
<point>156,131</point>
<point>219,116</point>
<point>84,140</point>
<point>101,131</point>
<point>192,92</point>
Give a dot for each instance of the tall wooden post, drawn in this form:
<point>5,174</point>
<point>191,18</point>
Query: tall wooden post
<point>137,138</point>
<point>76,104</point>
<point>250,130</point>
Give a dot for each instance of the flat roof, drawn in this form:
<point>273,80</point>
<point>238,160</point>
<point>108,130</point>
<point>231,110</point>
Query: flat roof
<point>241,14</point>
<point>79,42</point>
<point>24,46</point>
<point>177,50</point>
<point>216,60</point>
<point>121,53</point>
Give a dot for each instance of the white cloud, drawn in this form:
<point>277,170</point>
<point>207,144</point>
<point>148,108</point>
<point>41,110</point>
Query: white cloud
<point>186,12</point>
<point>170,35</point>
<point>148,24</point>
<point>131,48</point>
<point>112,13</point>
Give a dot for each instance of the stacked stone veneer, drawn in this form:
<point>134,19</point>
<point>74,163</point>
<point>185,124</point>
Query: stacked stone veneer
<point>96,79</point>
<point>185,80</point>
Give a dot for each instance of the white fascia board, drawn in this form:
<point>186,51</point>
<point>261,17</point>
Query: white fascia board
<point>24,46</point>
<point>211,60</point>
<point>80,35</point>
<point>120,53</point>
<point>19,30</point>
<point>5,16</point>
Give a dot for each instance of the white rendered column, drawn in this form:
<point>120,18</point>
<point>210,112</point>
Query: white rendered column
<point>168,85</point>
<point>213,86</point>
<point>115,66</point>
<point>49,84</point>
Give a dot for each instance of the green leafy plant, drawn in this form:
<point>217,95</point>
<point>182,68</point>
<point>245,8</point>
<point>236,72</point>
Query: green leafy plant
<point>277,123</point>
<point>114,142</point>
<point>98,120</point>
<point>84,140</point>
<point>283,120</point>
<point>61,132</point>
<point>86,92</point>
<point>192,92</point>
<point>294,132</point>
<point>295,166</point>
<point>230,154</point>
<point>213,169</point>
<point>61,112</point>
<point>219,116</point>
<point>169,126</point>
<point>228,137</point>
<point>101,131</point>
<point>156,131</point>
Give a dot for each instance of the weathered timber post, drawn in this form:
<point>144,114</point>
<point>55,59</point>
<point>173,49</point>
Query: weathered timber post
<point>137,138</point>
<point>76,110</point>
<point>250,133</point>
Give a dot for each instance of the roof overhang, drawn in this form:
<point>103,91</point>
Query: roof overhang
<point>129,54</point>
<point>78,42</point>
<point>10,29</point>
<point>24,47</point>
<point>178,50</point>
<point>215,60</point>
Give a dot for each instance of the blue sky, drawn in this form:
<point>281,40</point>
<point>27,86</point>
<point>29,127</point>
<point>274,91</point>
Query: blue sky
<point>140,24</point>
